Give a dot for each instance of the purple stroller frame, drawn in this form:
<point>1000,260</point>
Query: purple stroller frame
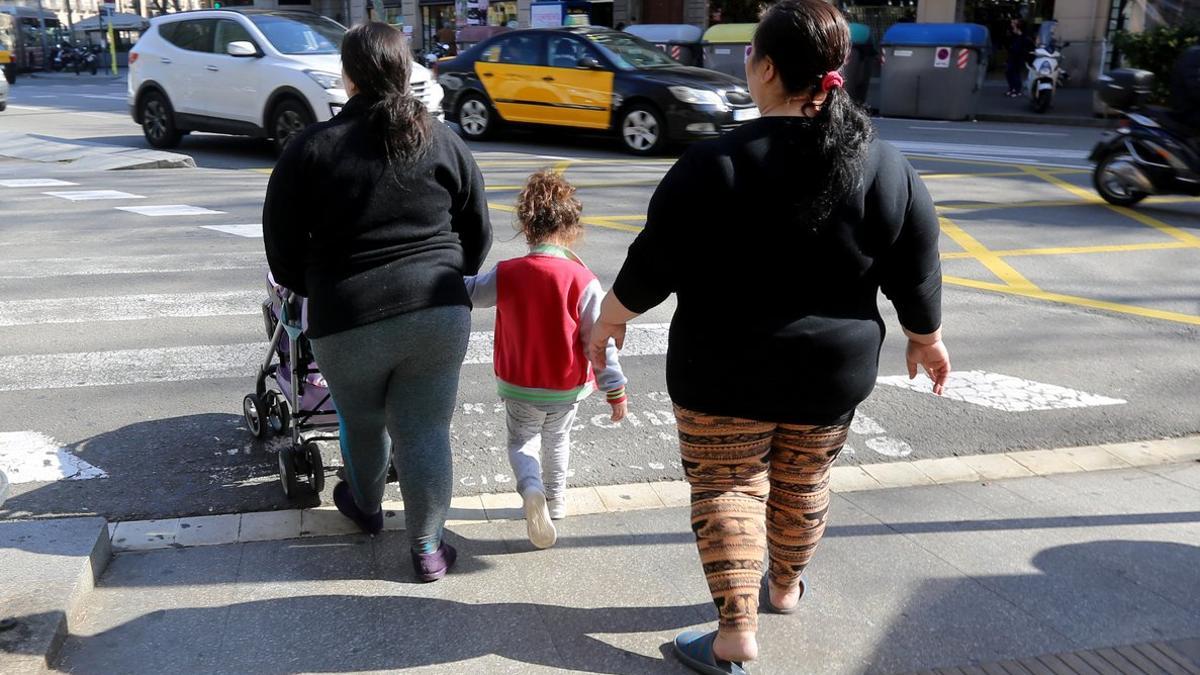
<point>300,402</point>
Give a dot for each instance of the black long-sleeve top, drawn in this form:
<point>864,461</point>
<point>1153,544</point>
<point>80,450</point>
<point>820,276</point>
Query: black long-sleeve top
<point>777,319</point>
<point>365,240</point>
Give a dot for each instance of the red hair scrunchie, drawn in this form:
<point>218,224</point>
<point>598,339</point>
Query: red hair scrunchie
<point>832,79</point>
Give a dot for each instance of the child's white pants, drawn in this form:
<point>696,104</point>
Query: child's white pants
<point>545,470</point>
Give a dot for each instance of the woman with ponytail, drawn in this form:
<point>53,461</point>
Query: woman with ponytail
<point>776,239</point>
<point>375,216</point>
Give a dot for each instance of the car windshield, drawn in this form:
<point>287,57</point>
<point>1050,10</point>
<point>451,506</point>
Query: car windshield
<point>629,52</point>
<point>299,34</point>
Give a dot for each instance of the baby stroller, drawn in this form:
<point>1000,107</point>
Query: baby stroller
<point>306,411</point>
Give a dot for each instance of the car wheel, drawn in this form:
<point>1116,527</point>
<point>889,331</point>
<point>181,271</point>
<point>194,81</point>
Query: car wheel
<point>10,73</point>
<point>1109,181</point>
<point>158,121</point>
<point>287,121</point>
<point>475,117</point>
<point>642,130</point>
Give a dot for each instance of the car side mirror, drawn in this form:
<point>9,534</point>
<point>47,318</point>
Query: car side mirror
<point>242,49</point>
<point>589,63</point>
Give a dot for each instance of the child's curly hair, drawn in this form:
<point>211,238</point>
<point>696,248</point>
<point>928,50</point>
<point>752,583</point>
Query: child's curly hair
<point>547,207</point>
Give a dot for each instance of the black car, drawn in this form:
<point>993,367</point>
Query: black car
<point>590,78</point>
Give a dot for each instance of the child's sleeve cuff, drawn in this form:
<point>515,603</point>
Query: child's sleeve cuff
<point>616,395</point>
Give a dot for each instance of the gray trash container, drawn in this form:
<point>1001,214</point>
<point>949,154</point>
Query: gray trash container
<point>933,70</point>
<point>682,42</point>
<point>857,70</point>
<point>725,47</point>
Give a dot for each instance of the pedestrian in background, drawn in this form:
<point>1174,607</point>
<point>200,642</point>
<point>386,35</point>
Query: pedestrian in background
<point>375,216</point>
<point>1020,46</point>
<point>776,239</point>
<point>546,304</point>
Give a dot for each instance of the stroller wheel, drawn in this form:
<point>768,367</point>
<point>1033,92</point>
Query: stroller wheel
<point>254,412</point>
<point>279,413</point>
<point>287,472</point>
<point>316,467</point>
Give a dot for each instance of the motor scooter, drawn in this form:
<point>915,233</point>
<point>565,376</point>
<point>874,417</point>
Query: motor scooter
<point>1149,153</point>
<point>1045,73</point>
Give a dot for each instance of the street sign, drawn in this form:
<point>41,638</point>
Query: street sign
<point>941,57</point>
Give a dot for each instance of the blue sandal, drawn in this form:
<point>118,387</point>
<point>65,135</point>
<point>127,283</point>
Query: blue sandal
<point>695,650</point>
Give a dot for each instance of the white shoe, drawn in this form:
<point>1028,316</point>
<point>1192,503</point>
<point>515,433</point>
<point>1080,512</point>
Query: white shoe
<point>537,520</point>
<point>558,508</point>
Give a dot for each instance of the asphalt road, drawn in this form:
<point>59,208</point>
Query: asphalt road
<point>128,340</point>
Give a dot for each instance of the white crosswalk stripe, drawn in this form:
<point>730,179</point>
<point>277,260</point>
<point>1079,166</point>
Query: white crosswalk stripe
<point>128,307</point>
<point>43,268</point>
<point>27,372</point>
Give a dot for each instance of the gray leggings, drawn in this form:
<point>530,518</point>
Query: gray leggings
<point>395,383</point>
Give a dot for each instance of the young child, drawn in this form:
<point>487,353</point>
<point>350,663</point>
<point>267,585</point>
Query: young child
<point>546,304</point>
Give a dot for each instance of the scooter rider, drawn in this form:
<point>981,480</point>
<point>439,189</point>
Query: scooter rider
<point>1185,92</point>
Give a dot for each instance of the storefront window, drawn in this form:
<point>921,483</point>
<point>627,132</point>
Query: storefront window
<point>502,14</point>
<point>437,24</point>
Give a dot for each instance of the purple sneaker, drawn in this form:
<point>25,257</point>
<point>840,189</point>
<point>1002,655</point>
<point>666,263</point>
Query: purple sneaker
<point>433,566</point>
<point>344,501</point>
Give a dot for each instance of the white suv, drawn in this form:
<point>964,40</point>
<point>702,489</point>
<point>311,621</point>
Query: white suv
<point>262,73</point>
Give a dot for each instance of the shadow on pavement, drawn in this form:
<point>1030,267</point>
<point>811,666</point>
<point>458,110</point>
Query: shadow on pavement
<point>205,464</point>
<point>1084,596</point>
<point>374,633</point>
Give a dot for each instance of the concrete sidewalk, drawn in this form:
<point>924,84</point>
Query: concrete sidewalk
<point>907,579</point>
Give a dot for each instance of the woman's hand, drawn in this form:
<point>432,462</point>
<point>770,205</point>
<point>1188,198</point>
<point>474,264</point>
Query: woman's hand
<point>929,353</point>
<point>598,345</point>
<point>610,324</point>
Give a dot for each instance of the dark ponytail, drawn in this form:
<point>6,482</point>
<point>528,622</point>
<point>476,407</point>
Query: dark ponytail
<point>806,39</point>
<point>375,57</point>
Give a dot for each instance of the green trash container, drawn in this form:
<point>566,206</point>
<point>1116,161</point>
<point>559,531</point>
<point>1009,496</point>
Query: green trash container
<point>933,70</point>
<point>857,71</point>
<point>726,46</point>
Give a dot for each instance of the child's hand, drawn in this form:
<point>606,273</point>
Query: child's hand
<point>619,410</point>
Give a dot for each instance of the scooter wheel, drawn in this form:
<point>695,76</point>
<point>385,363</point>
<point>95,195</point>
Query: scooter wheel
<point>1109,184</point>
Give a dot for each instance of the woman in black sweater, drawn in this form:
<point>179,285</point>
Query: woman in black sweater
<point>776,239</point>
<point>375,216</point>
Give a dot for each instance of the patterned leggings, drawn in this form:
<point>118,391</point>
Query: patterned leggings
<point>757,488</point>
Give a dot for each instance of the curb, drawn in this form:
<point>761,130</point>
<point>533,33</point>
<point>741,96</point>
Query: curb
<point>146,535</point>
<point>87,156</point>
<point>57,564</point>
<point>1063,121</point>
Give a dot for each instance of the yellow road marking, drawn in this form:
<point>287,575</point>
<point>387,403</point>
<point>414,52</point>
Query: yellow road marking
<point>1077,301</point>
<point>990,260</point>
<point>598,184</point>
<point>267,171</point>
<point>986,174</point>
<point>516,163</point>
<point>596,221</point>
<point>560,168</point>
<point>984,162</point>
<point>1073,250</point>
<point>1087,195</point>
<point>986,206</point>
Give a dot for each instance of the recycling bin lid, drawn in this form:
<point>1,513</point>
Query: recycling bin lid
<point>936,35</point>
<point>860,33</point>
<point>731,33</point>
<point>667,32</point>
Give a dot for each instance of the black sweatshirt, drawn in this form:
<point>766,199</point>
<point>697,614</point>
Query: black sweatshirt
<point>777,318</point>
<point>365,241</point>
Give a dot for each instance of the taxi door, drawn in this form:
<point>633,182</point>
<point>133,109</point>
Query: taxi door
<point>580,96</point>
<point>512,75</point>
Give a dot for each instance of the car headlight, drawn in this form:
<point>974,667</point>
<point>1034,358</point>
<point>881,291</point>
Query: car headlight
<point>1045,69</point>
<point>326,80</point>
<point>696,96</point>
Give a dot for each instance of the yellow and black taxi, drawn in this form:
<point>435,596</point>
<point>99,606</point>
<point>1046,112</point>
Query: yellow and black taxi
<point>590,78</point>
